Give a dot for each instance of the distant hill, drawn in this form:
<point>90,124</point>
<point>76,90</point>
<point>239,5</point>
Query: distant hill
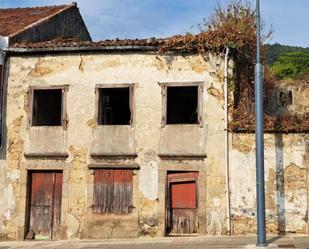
<point>288,62</point>
<point>275,50</point>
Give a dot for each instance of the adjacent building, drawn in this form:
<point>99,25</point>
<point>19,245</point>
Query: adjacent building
<point>36,24</point>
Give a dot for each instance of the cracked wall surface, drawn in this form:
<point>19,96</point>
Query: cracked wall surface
<point>81,73</point>
<point>286,183</point>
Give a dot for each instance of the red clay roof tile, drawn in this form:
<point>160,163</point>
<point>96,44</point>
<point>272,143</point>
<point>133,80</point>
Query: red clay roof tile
<point>14,20</point>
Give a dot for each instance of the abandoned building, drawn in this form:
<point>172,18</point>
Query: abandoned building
<point>113,139</point>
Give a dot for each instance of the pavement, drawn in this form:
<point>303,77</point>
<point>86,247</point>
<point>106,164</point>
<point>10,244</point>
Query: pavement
<point>198,242</point>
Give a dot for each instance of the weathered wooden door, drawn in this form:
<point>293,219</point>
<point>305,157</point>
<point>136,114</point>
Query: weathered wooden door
<point>113,191</point>
<point>182,208</point>
<point>45,204</point>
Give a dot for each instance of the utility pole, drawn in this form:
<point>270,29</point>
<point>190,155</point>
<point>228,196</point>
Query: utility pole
<point>259,136</point>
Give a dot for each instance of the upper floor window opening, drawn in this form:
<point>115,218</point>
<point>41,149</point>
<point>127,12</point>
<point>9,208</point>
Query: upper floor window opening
<point>182,103</point>
<point>114,105</point>
<point>47,107</point>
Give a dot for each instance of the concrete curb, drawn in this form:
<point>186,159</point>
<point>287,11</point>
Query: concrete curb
<point>270,246</point>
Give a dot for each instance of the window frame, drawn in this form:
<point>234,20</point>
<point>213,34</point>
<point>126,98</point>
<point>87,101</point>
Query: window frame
<point>64,90</point>
<point>200,89</point>
<point>131,87</point>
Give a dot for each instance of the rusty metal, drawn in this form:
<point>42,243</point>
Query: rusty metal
<point>113,191</point>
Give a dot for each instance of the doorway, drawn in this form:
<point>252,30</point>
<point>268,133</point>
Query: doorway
<point>182,203</point>
<point>44,205</point>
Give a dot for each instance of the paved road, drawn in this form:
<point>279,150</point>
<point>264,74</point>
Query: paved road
<point>201,242</point>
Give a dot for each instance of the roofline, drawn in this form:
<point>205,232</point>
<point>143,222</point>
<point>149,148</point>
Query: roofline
<point>82,19</point>
<point>126,48</point>
<point>42,20</point>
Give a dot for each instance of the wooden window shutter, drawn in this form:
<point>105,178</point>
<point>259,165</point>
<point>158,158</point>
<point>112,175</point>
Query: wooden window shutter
<point>33,106</point>
<point>131,99</point>
<point>64,118</point>
<point>164,104</point>
<point>98,105</point>
<point>113,191</point>
<point>200,104</point>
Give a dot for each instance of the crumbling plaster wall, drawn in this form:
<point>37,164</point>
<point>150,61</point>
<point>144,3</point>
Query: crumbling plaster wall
<point>286,181</point>
<point>82,73</point>
<point>300,98</point>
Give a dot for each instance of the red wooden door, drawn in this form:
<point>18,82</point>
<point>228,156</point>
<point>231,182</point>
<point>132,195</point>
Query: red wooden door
<point>182,203</point>
<point>45,204</point>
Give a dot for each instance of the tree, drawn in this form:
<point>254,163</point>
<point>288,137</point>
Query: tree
<point>275,50</point>
<point>292,65</point>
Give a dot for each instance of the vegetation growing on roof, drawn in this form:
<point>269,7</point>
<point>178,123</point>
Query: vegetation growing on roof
<point>230,26</point>
<point>234,26</point>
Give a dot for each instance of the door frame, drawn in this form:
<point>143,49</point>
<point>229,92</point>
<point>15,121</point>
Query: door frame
<point>191,176</point>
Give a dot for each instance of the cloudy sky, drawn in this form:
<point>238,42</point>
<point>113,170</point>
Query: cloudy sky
<point>159,18</point>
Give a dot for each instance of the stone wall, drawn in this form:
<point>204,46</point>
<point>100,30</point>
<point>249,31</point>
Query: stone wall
<point>298,104</point>
<point>286,180</point>
<point>81,73</point>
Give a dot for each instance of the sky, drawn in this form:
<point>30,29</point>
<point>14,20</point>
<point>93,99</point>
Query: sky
<point>108,19</point>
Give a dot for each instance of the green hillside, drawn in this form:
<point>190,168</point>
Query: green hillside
<point>288,61</point>
<point>275,50</point>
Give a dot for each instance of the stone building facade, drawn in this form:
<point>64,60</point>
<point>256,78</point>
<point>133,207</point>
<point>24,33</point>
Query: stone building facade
<point>133,144</point>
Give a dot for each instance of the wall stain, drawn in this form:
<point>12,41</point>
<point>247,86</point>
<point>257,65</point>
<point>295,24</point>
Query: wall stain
<point>270,190</point>
<point>198,65</point>
<point>242,143</point>
<point>159,63</point>
<point>15,143</point>
<point>215,92</point>
<point>91,123</point>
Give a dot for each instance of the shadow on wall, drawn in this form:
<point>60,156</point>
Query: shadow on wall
<point>277,102</point>
<point>280,102</point>
<point>280,188</point>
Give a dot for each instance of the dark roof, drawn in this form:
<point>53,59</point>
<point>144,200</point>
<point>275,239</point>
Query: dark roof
<point>76,43</point>
<point>15,20</point>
